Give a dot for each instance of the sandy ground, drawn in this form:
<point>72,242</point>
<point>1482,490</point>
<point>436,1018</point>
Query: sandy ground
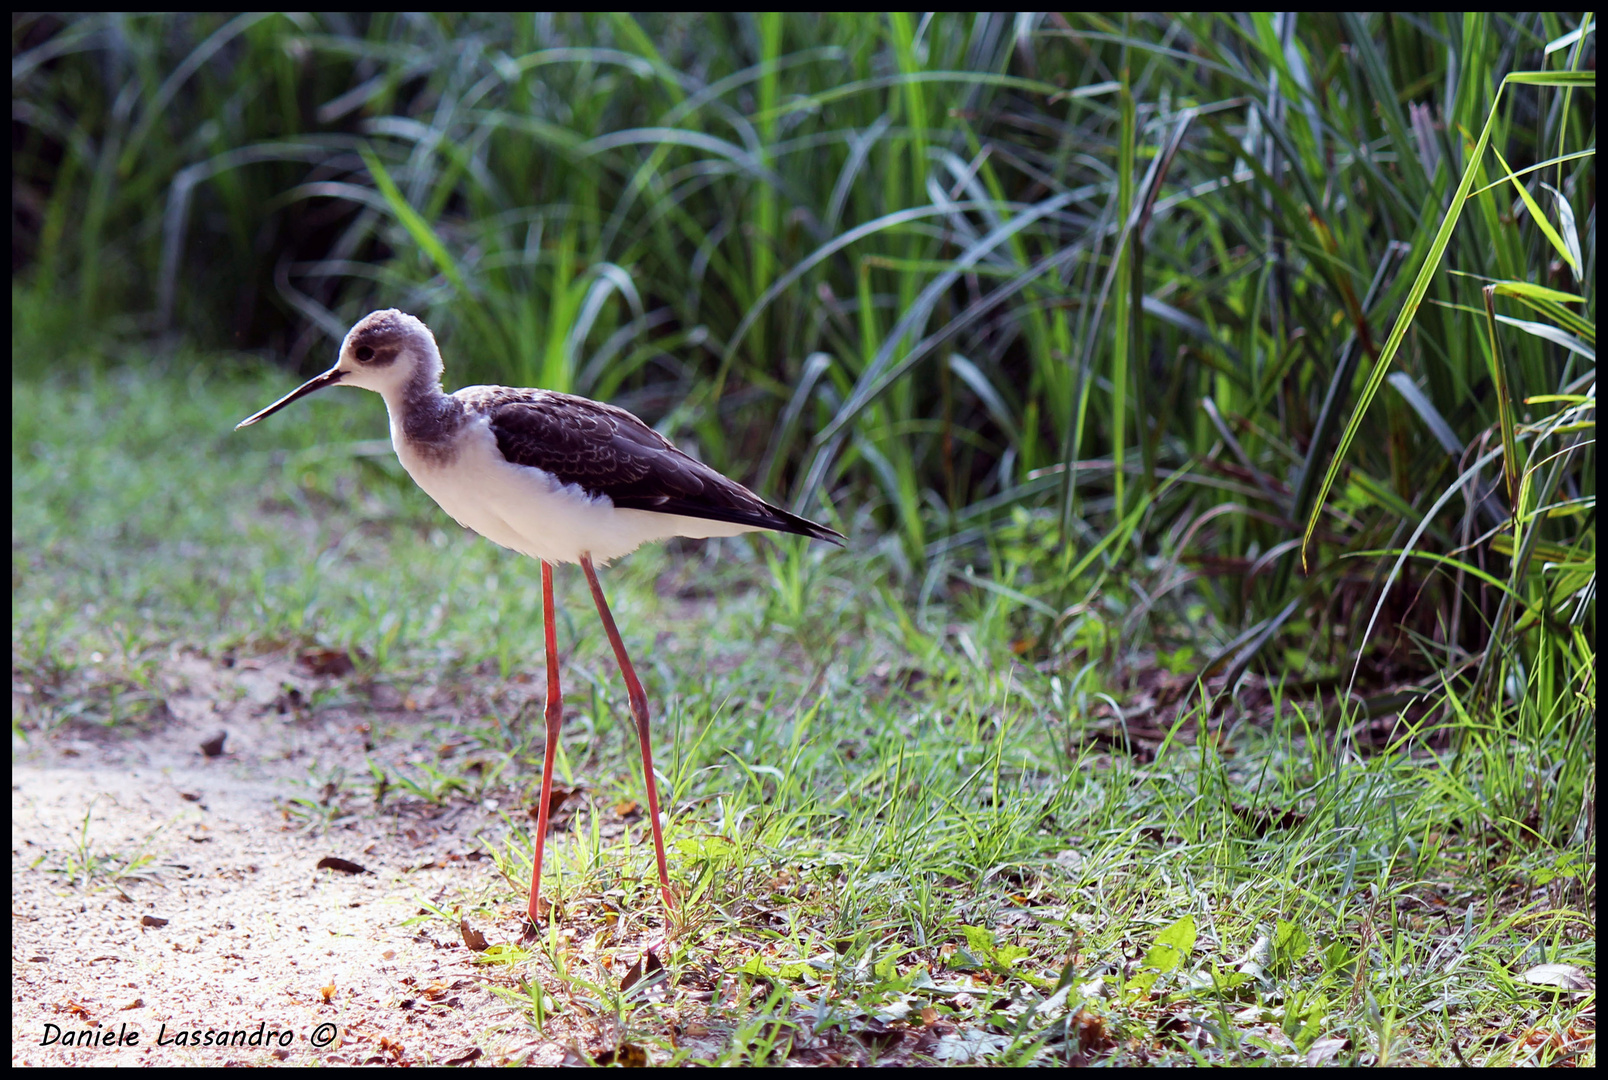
<point>231,930</point>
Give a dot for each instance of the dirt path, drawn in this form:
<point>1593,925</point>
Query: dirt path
<point>231,926</point>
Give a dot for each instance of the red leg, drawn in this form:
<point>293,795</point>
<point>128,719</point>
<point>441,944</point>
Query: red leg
<point>639,709</point>
<point>555,720</point>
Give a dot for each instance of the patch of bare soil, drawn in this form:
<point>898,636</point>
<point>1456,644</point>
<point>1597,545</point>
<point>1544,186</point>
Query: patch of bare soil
<point>167,910</point>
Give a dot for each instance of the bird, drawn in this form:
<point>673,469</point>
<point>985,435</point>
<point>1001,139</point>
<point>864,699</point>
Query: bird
<point>554,476</point>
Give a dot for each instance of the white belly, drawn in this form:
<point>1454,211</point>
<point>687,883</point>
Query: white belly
<point>529,511</point>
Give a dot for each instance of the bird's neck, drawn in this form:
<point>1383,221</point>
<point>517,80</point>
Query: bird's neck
<point>422,411</point>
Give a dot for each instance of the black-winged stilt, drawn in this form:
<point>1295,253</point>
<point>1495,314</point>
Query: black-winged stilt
<point>554,476</point>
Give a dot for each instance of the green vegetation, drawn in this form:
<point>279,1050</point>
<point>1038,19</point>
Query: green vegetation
<point>1210,401</point>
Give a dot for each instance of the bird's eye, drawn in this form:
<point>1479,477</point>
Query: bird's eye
<point>364,353</point>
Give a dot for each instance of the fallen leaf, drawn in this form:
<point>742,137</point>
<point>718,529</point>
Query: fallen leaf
<point>1557,976</point>
<point>473,939</point>
<point>327,661</point>
<point>1325,1049</point>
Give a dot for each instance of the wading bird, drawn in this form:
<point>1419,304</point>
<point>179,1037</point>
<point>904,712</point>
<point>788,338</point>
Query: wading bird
<point>557,477</point>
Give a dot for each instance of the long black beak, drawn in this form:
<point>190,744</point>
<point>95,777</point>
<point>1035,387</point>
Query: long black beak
<point>329,378</point>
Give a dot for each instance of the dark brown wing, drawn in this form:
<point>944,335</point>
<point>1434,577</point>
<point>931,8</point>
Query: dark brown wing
<point>607,451</point>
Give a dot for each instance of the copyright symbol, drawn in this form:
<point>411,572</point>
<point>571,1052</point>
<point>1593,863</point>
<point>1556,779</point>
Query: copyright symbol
<point>323,1035</point>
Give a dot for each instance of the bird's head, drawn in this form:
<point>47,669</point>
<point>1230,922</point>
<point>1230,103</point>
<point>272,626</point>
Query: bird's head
<point>387,352</point>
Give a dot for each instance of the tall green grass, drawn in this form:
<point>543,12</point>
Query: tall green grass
<point>1129,308</point>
